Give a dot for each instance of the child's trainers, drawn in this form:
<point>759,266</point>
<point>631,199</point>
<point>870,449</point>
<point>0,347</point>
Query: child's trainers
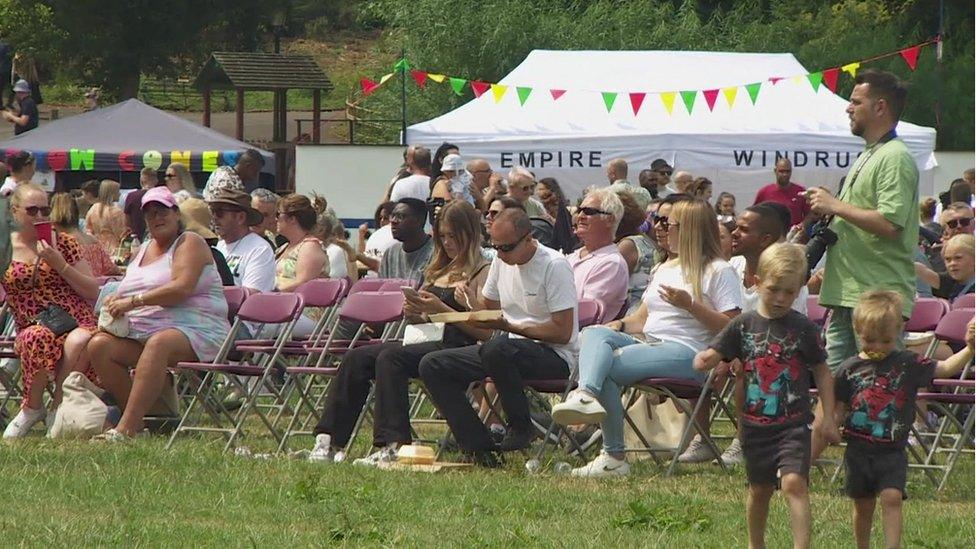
<point>697,452</point>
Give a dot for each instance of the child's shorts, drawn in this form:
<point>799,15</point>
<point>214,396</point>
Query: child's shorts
<point>772,451</point>
<point>868,473</point>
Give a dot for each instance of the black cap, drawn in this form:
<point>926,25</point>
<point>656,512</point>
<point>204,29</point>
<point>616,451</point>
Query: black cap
<point>659,164</point>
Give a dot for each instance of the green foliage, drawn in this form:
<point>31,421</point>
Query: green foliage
<point>663,518</point>
<point>486,39</point>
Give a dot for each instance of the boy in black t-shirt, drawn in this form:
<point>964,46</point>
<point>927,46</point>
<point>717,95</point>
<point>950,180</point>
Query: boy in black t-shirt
<point>778,348</point>
<point>876,393</point>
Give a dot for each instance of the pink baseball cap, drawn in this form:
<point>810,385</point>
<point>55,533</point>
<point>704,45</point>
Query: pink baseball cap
<point>159,194</point>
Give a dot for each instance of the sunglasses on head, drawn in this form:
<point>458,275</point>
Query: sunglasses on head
<point>586,210</point>
<point>509,247</point>
<point>961,222</point>
<point>34,210</point>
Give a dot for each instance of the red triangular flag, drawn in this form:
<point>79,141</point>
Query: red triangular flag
<point>556,94</point>
<point>775,79</point>
<point>710,96</point>
<point>635,101</point>
<point>368,85</point>
<point>910,55</point>
<point>830,78</point>
<point>420,77</point>
<point>479,87</point>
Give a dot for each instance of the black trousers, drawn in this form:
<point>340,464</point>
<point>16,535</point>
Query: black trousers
<point>391,365</point>
<point>508,361</point>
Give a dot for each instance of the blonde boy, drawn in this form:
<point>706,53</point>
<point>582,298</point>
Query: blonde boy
<point>778,348</point>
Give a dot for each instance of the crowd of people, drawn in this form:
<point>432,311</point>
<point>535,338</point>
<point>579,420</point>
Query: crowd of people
<point>683,284</point>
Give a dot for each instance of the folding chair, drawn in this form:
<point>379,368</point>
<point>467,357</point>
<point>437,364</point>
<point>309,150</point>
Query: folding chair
<point>282,309</point>
<point>361,307</point>
<point>965,301</point>
<point>926,314</point>
<point>816,312</point>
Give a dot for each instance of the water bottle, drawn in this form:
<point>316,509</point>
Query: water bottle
<point>562,468</point>
<point>134,246</point>
<point>532,466</point>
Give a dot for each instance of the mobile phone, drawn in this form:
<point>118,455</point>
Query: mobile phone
<point>45,232</point>
<point>409,291</point>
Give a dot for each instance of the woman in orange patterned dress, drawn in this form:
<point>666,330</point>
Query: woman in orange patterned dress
<point>63,278</point>
<point>65,216</point>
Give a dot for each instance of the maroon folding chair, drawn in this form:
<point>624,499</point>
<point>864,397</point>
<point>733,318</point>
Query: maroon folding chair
<point>590,312</point>
<point>279,309</point>
<point>235,296</point>
<point>965,301</point>
<point>926,314</point>
<point>816,312</point>
<point>378,284</point>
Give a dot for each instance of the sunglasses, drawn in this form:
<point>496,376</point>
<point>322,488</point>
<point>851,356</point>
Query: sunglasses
<point>586,210</point>
<point>218,212</point>
<point>509,247</point>
<point>660,220</point>
<point>490,214</point>
<point>34,210</point>
<point>961,222</point>
<point>665,172</point>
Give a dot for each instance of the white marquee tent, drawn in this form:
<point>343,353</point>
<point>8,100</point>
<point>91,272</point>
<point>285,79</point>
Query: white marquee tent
<point>735,146</point>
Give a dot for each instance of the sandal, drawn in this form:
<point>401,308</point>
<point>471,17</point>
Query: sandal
<point>111,436</point>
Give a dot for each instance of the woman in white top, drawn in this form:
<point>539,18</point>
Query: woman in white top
<point>689,299</point>
<point>342,258</point>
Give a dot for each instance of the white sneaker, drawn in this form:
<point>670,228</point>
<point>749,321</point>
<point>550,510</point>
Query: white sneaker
<point>604,465</point>
<point>732,455</point>
<point>697,452</point>
<point>322,451</point>
<point>23,421</point>
<point>386,454</point>
<point>580,407</point>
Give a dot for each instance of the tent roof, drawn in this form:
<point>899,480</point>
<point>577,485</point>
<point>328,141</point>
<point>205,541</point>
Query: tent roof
<point>787,107</point>
<point>261,71</point>
<point>128,126</point>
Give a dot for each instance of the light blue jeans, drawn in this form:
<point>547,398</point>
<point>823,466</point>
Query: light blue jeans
<point>610,360</point>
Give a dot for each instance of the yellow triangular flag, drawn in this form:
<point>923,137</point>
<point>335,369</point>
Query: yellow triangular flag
<point>439,78</point>
<point>851,68</point>
<point>730,94</point>
<point>498,91</point>
<point>385,77</point>
<point>668,99</point>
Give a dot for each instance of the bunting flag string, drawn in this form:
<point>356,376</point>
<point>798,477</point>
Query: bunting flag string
<point>828,78</point>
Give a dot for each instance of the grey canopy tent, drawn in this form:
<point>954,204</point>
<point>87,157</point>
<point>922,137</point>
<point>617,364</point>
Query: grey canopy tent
<point>127,137</point>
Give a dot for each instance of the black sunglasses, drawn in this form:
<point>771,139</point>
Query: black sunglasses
<point>509,247</point>
<point>34,210</point>
<point>586,210</point>
<point>660,219</point>
<point>961,222</point>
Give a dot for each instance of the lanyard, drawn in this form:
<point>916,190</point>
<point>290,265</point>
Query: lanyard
<point>867,156</point>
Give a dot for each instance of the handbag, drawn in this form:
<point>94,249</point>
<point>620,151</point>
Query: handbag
<point>661,425</point>
<point>119,327</point>
<point>82,412</point>
<point>52,317</point>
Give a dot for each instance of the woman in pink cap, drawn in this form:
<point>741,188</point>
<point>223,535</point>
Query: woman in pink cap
<point>174,301</point>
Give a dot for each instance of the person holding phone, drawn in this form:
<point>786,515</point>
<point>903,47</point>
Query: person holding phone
<point>454,278</point>
<point>46,269</point>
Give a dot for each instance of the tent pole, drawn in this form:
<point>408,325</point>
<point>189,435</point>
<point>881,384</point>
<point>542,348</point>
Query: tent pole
<point>316,116</point>
<point>403,101</point>
<point>239,112</point>
<point>206,107</point>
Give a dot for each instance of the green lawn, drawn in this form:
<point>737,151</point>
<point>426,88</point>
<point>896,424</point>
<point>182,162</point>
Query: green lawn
<point>81,494</point>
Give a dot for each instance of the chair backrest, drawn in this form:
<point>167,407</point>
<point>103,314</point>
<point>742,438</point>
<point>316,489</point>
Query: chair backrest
<point>952,327</point>
<point>235,296</point>
<point>322,292</point>
<point>590,312</point>
<point>926,315</point>
<point>373,307</point>
<point>816,312</point>
<point>381,284</point>
<point>272,308</point>
<point>965,301</point>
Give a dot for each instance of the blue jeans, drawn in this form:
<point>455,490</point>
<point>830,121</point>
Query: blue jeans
<point>611,360</point>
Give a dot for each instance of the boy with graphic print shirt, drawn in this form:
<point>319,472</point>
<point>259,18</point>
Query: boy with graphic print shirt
<point>778,348</point>
<point>877,390</point>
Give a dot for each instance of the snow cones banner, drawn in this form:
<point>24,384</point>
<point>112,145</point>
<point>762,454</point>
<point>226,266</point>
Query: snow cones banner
<point>633,100</point>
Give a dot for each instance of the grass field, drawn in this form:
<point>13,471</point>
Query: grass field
<point>139,495</point>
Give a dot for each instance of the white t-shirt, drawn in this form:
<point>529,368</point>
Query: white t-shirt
<point>337,261</point>
<point>533,291</point>
<point>251,261</point>
<point>379,242</point>
<point>750,296</point>
<point>721,290</point>
<point>412,186</point>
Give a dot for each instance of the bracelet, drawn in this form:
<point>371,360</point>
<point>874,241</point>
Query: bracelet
<point>138,301</point>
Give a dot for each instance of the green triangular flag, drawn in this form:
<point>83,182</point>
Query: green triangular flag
<point>815,79</point>
<point>401,65</point>
<point>689,98</point>
<point>458,85</point>
<point>753,90</point>
<point>523,94</point>
<point>608,99</point>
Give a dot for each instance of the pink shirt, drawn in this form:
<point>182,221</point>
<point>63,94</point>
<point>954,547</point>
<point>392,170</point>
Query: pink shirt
<point>601,276</point>
<point>792,197</point>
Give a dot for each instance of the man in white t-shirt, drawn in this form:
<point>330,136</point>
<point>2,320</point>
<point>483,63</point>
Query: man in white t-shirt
<point>249,256</point>
<point>533,287</point>
<point>417,184</point>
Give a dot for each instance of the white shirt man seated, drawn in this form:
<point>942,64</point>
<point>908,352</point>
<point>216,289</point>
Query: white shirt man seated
<point>249,256</point>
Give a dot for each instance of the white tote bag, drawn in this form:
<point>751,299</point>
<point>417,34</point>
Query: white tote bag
<point>82,412</point>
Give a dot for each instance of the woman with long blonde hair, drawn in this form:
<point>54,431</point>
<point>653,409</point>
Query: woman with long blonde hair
<point>689,299</point>
<point>180,182</point>
<point>105,220</point>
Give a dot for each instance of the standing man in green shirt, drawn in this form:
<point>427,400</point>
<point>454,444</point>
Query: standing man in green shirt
<point>875,215</point>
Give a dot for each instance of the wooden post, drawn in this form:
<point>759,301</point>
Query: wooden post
<point>206,107</point>
<point>239,130</point>
<point>316,116</point>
